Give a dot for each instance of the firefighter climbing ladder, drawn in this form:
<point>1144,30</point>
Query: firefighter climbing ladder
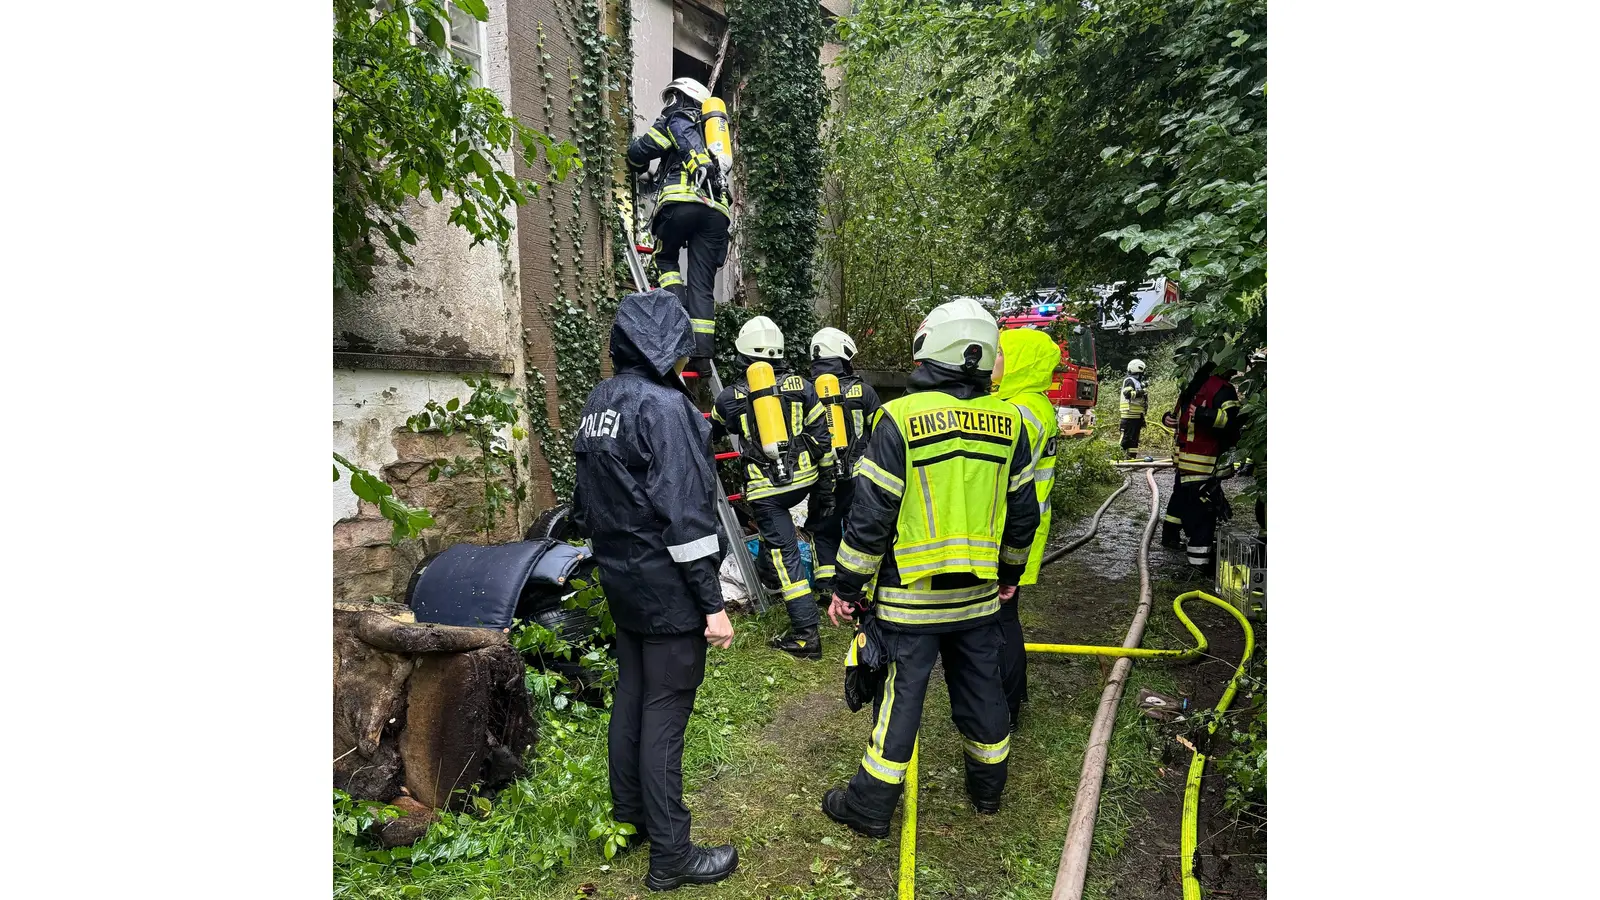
<point>730,523</point>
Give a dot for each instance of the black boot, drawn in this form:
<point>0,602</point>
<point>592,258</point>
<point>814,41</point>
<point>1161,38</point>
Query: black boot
<point>987,807</point>
<point>833,803</point>
<point>705,865</point>
<point>805,645</point>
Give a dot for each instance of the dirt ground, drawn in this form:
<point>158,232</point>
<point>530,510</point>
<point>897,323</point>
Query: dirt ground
<point>766,799</point>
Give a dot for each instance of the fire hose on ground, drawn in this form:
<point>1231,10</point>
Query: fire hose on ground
<point>1073,868</point>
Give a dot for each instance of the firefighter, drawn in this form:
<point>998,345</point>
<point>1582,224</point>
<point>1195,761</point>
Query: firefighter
<point>691,210</point>
<point>807,462</point>
<point>1030,359</point>
<point>939,532</point>
<point>1132,406</point>
<point>1205,424</point>
<point>645,499</point>
<point>831,353</point>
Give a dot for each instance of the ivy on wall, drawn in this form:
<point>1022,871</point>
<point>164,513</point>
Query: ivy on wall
<point>585,296</point>
<point>779,102</point>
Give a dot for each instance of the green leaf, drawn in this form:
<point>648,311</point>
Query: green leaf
<point>435,31</point>
<point>454,404</point>
<point>474,8</point>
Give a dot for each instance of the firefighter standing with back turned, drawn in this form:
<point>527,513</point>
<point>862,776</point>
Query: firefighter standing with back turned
<point>944,514</point>
<point>692,208</point>
<point>1029,359</point>
<point>1132,404</point>
<point>831,353</point>
<point>786,454</point>
<point>645,498</point>
<point>1205,424</point>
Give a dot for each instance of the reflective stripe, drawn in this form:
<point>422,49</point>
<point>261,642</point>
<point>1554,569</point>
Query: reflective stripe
<point>797,590</point>
<point>856,561</point>
<point>703,326</point>
<point>1185,456</point>
<point>1042,475</point>
<point>980,564</point>
<point>693,550</point>
<point>1173,519</point>
<point>1021,479</point>
<point>919,594</point>
<point>883,769</point>
<point>881,477</point>
<point>821,572</point>
<point>815,414</point>
<point>989,753</point>
<point>938,616</point>
<point>925,546</point>
<point>659,138</point>
<point>1012,556</point>
<point>880,730</point>
<point>927,501</point>
<point>670,278</point>
<point>1191,479</point>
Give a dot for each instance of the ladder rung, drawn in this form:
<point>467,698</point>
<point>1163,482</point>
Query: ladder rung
<point>733,497</point>
<point>705,415</point>
<point>644,248</point>
<point>688,374</point>
<point>731,454</point>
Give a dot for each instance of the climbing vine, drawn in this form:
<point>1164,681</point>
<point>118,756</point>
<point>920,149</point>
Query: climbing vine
<point>779,101</point>
<point>584,289</point>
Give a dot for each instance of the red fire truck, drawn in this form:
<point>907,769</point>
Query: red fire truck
<point>1077,384</point>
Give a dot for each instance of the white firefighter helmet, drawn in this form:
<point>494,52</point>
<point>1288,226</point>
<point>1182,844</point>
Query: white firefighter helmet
<point>760,338</point>
<point>688,87</point>
<point>1135,367</point>
<point>953,331</point>
<point>832,342</point>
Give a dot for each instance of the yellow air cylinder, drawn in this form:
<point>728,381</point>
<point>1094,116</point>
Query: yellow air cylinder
<point>828,393</point>
<point>715,115</point>
<point>771,429</point>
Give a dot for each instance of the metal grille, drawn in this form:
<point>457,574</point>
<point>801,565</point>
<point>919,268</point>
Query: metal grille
<point>1242,571</point>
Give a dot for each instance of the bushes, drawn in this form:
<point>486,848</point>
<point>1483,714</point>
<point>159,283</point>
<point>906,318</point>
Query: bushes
<point>1084,473</point>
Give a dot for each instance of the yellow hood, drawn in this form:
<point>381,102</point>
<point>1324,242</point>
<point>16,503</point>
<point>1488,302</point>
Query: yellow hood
<point>1031,360</point>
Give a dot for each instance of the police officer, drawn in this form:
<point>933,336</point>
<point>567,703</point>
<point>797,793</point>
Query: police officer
<point>644,498</point>
<point>1030,359</point>
<point>944,513</point>
<point>809,463</point>
<point>1205,425</point>
<point>692,208</point>
<point>1132,406</point>
<point>831,353</point>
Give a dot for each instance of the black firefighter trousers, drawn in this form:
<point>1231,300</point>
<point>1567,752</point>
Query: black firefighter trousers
<point>1013,658</point>
<point>705,232</point>
<point>826,532</point>
<point>779,563</point>
<point>1191,511</point>
<point>977,704</point>
<point>1130,434</point>
<point>657,677</point>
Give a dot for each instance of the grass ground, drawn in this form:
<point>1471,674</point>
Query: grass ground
<point>771,733</point>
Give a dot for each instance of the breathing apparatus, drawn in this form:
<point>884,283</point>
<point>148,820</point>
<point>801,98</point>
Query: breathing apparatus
<point>761,337</point>
<point>828,393</point>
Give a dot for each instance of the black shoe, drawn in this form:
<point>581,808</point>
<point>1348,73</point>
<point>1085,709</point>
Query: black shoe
<point>799,647</point>
<point>1014,724</point>
<point>1174,544</point>
<point>987,807</point>
<point>705,865</point>
<point>837,809</point>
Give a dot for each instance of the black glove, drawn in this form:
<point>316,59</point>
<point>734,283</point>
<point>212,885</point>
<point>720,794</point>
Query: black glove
<point>825,501</point>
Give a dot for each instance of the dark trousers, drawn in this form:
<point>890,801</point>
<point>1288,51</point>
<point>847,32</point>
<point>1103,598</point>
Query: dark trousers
<point>1013,659</point>
<point>1130,433</point>
<point>705,232</point>
<point>1191,511</point>
<point>826,532</point>
<point>657,676</point>
<point>977,704</point>
<point>779,563</point>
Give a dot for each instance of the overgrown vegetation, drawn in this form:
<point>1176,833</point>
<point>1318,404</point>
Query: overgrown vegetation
<point>1084,474</point>
<point>407,120</point>
<point>484,420</point>
<point>780,99</point>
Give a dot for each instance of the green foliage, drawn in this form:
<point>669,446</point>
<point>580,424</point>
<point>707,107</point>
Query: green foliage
<point>1244,766</point>
<point>408,521</point>
<point>408,121</point>
<point>1084,469</point>
<point>1129,137</point>
<point>773,50</point>
<point>484,419</point>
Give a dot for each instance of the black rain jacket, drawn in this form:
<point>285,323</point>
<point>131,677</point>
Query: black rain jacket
<point>645,496</point>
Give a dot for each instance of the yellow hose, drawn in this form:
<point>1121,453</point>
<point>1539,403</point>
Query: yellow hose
<point>908,832</point>
<point>1189,838</point>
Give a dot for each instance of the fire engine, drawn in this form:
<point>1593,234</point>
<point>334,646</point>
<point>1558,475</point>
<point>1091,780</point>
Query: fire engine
<point>1076,387</point>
